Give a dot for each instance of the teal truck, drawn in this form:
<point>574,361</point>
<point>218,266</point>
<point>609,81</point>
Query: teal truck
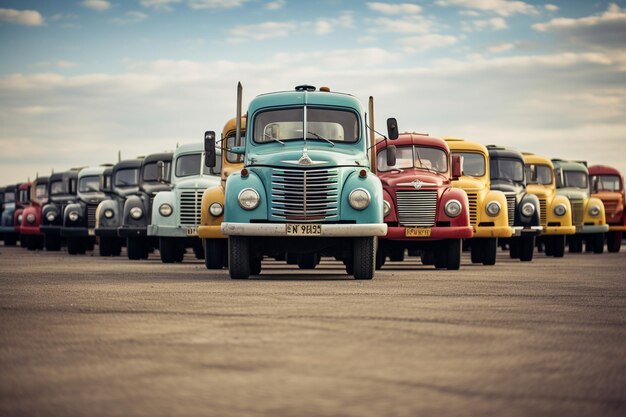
<point>176,212</point>
<point>306,186</point>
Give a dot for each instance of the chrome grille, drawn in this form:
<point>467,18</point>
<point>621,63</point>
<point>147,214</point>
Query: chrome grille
<point>543,211</point>
<point>473,207</point>
<point>610,207</point>
<point>577,211</point>
<point>190,207</point>
<point>305,194</point>
<point>510,204</point>
<point>416,208</point>
<point>91,215</point>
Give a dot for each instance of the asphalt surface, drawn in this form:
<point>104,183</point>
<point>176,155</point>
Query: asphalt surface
<point>91,336</point>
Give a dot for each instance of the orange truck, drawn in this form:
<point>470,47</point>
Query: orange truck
<point>607,184</point>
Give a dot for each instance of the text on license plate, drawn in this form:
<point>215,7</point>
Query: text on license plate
<point>304,229</point>
<point>192,231</point>
<point>417,232</point>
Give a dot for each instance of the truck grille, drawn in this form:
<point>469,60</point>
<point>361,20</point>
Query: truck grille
<point>543,211</point>
<point>610,207</point>
<point>473,207</point>
<point>91,215</point>
<point>416,208</point>
<point>577,211</point>
<point>190,207</point>
<point>511,206</point>
<point>305,195</point>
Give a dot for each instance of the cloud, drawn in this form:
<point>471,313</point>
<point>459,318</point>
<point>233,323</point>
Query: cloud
<point>261,31</point>
<point>395,9</point>
<point>603,31</point>
<point>407,24</point>
<point>428,41</point>
<point>56,64</point>
<point>97,5</point>
<point>275,5</point>
<point>551,7</point>
<point>495,23</point>
<point>21,17</point>
<point>501,47</point>
<point>215,4</point>
<point>164,5</point>
<point>130,17</point>
<point>499,7</point>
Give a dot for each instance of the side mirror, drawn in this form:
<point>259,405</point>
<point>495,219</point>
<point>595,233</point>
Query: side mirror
<point>209,149</point>
<point>558,175</point>
<point>160,171</point>
<point>457,166</point>
<point>392,128</point>
<point>391,155</point>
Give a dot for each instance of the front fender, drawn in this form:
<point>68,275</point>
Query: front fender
<point>535,219</point>
<point>597,220</point>
<point>232,210</point>
<point>372,213</point>
<point>456,194</point>
<point>164,197</point>
<point>143,202</point>
<point>210,196</point>
<point>82,218</point>
<point>566,219</point>
<point>101,220</point>
<point>55,210</point>
<point>502,218</point>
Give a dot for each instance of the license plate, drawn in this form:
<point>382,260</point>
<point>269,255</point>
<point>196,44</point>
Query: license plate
<point>91,232</point>
<point>192,231</point>
<point>304,229</point>
<point>417,232</point>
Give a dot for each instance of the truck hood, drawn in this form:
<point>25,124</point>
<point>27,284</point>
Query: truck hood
<point>506,186</point>
<point>416,178</point>
<point>203,182</point>
<point>539,190</point>
<point>573,193</point>
<point>314,155</point>
<point>469,184</point>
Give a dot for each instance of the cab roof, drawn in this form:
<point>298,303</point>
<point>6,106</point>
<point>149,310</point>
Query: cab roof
<point>406,138</point>
<point>156,157</point>
<point>603,170</point>
<point>458,144</point>
<point>128,163</point>
<point>502,152</point>
<point>570,165</point>
<point>531,158</point>
<point>60,175</point>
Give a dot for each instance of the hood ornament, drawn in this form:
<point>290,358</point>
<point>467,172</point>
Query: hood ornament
<point>417,184</point>
<point>304,160</point>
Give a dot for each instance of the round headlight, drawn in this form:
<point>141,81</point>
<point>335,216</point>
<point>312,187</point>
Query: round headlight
<point>560,209</point>
<point>493,208</point>
<point>108,213</point>
<point>386,208</point>
<point>359,198</point>
<point>165,210</point>
<point>51,216</point>
<point>136,213</point>
<point>19,219</point>
<point>528,209</point>
<point>248,199</point>
<point>216,209</point>
<point>30,218</point>
<point>594,211</point>
<point>452,208</point>
<point>73,215</point>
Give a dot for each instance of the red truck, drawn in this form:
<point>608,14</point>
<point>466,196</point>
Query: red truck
<point>30,231</point>
<point>607,184</point>
<point>423,212</point>
<point>22,200</point>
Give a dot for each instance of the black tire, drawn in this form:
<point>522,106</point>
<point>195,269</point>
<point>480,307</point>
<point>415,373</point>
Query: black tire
<point>308,260</point>
<point>291,258</point>
<point>363,260</point>
<point>549,243</point>
<point>213,253</point>
<point>104,248</point>
<point>135,249</point>
<point>590,243</point>
<point>453,254</point>
<point>490,248</point>
<point>349,264</point>
<point>52,242</point>
<point>116,248</point>
<point>396,254</point>
<point>255,266</point>
<point>198,250</point>
<point>10,239</point>
<point>613,241</point>
<point>598,242</point>
<point>477,251</point>
<point>238,257</point>
<point>427,258</point>
<point>380,256</point>
<point>514,248</point>
<point>575,244</point>
<point>75,246</point>
<point>31,243</point>
<point>558,246</point>
<point>170,249</point>
<point>527,248</point>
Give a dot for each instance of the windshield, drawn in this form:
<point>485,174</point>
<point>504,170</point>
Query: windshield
<point>415,157</point>
<point>234,158</point>
<point>90,184</point>
<point>507,169</point>
<point>127,177</point>
<point>191,164</point>
<point>324,124</point>
<point>151,171</point>
<point>56,187</point>
<point>9,197</point>
<point>473,163</point>
<point>41,191</point>
<point>543,174</point>
<point>24,195</point>
<point>576,179</point>
<point>606,183</point>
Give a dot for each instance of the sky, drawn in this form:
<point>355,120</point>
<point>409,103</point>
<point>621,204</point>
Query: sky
<point>81,81</point>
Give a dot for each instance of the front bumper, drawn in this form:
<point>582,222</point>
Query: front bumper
<point>50,230</point>
<point>106,232</point>
<point>597,228</point>
<point>30,230</point>
<point>211,232</point>
<point>527,231</point>
<point>125,231</point>
<point>492,231</point>
<point>76,231</point>
<point>617,228</point>
<point>327,230</point>
<point>172,231</point>
<point>436,233</point>
<point>559,230</point>
<point>7,229</point>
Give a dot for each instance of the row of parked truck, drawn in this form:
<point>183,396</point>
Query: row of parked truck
<point>303,174</point>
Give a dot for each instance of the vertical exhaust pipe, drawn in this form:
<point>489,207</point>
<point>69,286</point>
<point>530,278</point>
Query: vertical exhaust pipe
<point>238,115</point>
<point>372,143</point>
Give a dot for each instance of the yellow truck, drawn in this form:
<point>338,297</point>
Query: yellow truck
<point>555,210</point>
<point>212,212</point>
<point>488,208</point>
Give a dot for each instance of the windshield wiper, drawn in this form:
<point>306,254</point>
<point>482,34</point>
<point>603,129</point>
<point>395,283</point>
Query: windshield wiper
<point>321,137</point>
<point>273,138</point>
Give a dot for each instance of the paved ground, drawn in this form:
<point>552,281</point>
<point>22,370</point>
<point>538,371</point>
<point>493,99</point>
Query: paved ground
<point>88,336</point>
